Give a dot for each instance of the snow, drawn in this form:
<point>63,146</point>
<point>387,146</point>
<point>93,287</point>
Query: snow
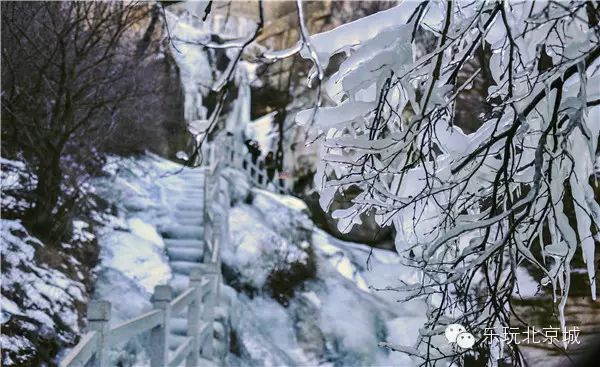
<point>137,258</point>
<point>356,33</point>
<point>43,295</point>
<point>255,247</point>
<point>262,131</point>
<point>146,231</point>
<point>339,317</point>
<point>14,177</point>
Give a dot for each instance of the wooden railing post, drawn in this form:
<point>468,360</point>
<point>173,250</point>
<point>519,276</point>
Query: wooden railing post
<point>194,318</point>
<point>159,346</point>
<point>98,317</point>
<point>208,307</point>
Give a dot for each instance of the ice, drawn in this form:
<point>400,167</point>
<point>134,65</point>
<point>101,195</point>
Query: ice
<point>137,258</point>
<point>356,33</point>
<point>146,231</point>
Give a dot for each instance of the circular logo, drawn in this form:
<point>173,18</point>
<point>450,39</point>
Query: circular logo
<point>465,340</point>
<point>456,333</point>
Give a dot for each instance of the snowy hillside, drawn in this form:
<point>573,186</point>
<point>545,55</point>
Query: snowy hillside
<point>294,295</point>
<point>43,288</point>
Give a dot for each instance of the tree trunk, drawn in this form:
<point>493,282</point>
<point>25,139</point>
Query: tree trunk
<point>42,219</point>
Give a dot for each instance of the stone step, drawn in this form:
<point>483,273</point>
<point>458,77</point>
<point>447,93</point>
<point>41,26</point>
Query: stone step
<point>185,214</point>
<point>179,253</point>
<point>180,242</point>
<point>183,267</point>
<point>182,232</point>
<point>192,185</point>
<point>179,283</point>
<point>194,190</point>
<point>178,324</point>
<point>175,340</point>
<point>191,197</point>
<point>189,174</point>
<point>190,219</point>
<point>191,205</point>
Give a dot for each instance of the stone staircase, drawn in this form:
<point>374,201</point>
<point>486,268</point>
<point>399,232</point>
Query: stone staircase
<point>184,243</point>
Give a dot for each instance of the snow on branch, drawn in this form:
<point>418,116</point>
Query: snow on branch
<point>471,201</point>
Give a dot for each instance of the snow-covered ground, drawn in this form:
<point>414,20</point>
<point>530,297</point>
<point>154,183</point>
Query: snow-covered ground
<point>333,317</point>
<point>296,295</point>
<point>39,302</point>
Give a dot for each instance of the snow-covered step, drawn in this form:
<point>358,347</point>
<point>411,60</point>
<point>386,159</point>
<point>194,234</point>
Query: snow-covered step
<point>190,199</point>
<point>183,267</point>
<point>191,220</point>
<point>190,205</point>
<point>182,214</point>
<point>180,242</point>
<point>178,324</point>
<point>191,193</point>
<point>175,340</point>
<point>193,183</point>
<point>185,253</point>
<point>193,173</point>
<point>192,190</point>
<point>179,283</point>
<point>182,231</point>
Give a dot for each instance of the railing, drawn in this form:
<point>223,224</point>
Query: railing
<point>94,345</point>
<point>236,155</point>
<point>199,299</point>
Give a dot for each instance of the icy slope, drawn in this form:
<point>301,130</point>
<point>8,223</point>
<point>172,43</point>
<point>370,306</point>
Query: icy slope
<point>302,297</point>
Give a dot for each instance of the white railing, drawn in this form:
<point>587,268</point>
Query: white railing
<point>94,345</point>
<point>199,299</point>
<point>236,155</point>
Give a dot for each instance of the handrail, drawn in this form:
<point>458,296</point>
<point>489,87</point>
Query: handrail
<point>133,327</point>
<point>181,352</point>
<point>237,156</point>
<point>180,302</point>
<point>83,351</point>
<point>95,342</point>
<point>199,298</point>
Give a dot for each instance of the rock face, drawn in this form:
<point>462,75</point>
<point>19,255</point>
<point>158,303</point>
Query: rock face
<point>367,231</point>
<point>154,119</point>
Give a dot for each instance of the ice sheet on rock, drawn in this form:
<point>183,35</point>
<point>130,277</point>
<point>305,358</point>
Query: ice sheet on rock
<point>335,318</point>
<point>255,247</point>
<point>137,258</point>
<point>146,231</point>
